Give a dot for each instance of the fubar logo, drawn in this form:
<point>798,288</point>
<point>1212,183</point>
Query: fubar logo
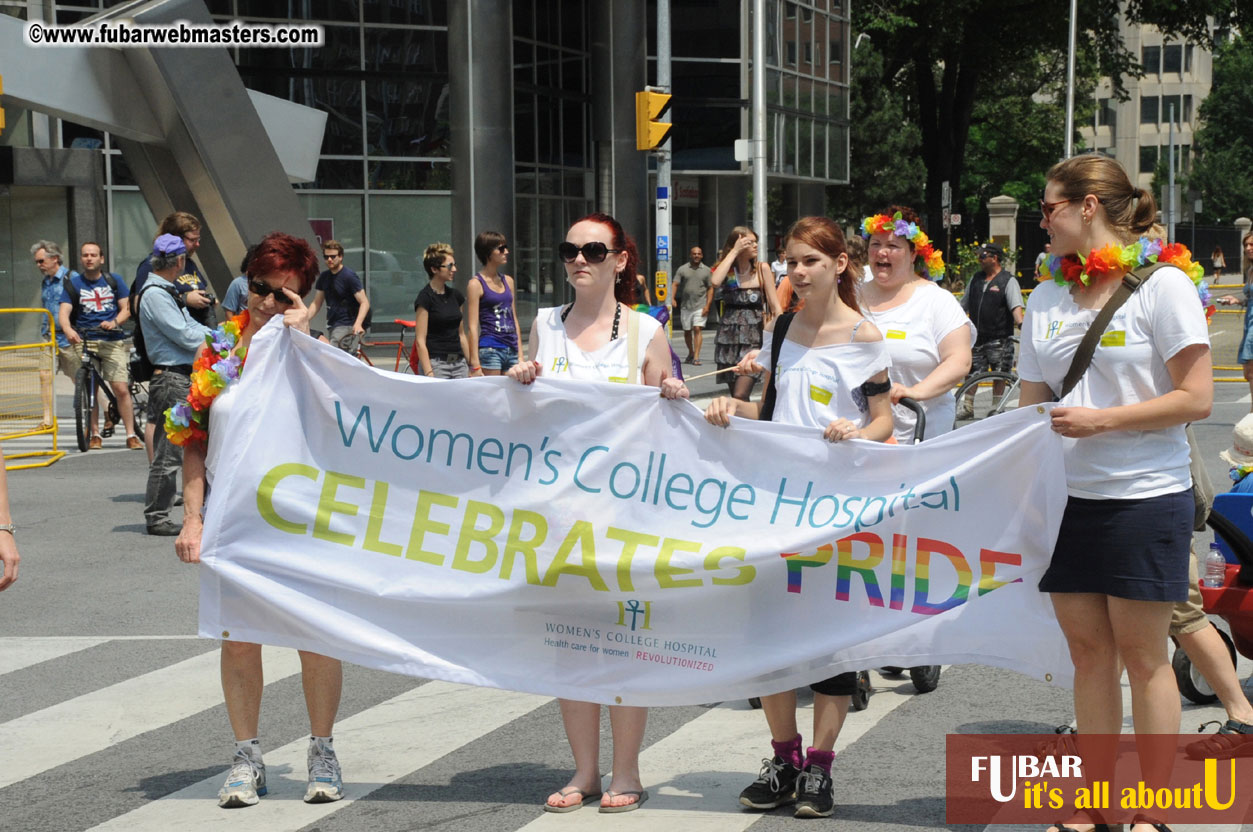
<point>635,609</point>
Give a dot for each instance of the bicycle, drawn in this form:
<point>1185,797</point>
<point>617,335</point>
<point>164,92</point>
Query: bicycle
<point>87,381</point>
<point>984,400</point>
<point>402,354</point>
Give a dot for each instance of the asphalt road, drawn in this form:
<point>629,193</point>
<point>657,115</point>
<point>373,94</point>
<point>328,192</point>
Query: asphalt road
<point>111,714</point>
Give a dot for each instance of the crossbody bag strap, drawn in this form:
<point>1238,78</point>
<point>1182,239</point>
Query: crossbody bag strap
<point>1087,347</point>
<point>776,347</point>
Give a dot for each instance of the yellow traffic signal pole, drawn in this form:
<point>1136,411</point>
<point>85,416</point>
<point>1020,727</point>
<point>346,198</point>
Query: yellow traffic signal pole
<point>653,135</point>
<point>1,107</point>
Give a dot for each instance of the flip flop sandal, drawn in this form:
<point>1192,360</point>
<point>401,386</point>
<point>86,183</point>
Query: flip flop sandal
<point>583,800</point>
<point>640,797</point>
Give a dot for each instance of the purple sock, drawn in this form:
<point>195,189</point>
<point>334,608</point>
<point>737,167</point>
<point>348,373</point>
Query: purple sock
<point>821,759</point>
<point>790,751</point>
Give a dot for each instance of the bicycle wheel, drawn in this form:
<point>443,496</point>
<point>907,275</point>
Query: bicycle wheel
<point>139,401</point>
<point>82,406</point>
<point>977,398</point>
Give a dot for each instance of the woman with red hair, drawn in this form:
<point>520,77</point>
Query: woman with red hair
<point>589,340</point>
<point>281,270</point>
<point>832,375</point>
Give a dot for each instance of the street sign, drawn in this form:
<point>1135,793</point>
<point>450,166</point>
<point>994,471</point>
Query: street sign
<point>955,219</point>
<point>945,217</point>
<point>946,195</point>
<point>663,247</point>
<point>661,287</point>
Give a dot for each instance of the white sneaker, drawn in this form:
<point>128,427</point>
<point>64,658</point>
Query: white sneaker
<point>245,782</point>
<point>325,783</point>
<point>965,410</point>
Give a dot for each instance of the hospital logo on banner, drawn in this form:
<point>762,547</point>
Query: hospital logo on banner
<point>635,609</point>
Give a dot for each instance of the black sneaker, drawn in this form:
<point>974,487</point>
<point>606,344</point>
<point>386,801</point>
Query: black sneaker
<point>775,786</point>
<point>815,793</point>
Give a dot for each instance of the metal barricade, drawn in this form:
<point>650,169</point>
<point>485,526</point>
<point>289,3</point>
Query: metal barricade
<point>27,373</point>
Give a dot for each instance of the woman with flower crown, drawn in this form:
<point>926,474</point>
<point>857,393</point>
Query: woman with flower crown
<point>1121,557</point>
<point>281,270</point>
<point>927,334</point>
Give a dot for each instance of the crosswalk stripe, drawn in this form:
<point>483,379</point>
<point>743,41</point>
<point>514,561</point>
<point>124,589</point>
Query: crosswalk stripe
<point>732,739</point>
<point>17,653</point>
<point>95,721</point>
<point>375,747</point>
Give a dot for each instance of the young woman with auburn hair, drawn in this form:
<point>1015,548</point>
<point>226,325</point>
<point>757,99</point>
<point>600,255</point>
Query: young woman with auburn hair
<point>829,347</point>
<point>588,340</point>
<point>1122,553</point>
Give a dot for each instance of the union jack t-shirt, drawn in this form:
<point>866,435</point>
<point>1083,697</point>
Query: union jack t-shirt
<point>96,304</point>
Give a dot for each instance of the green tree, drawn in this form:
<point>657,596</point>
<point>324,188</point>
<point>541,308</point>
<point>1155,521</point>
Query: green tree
<point>1223,172</point>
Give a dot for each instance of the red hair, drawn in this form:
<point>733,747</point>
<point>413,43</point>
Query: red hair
<point>822,234</point>
<point>279,252</point>
<point>625,288</point>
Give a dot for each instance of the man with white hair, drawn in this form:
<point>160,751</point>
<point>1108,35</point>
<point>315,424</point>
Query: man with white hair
<point>48,260</point>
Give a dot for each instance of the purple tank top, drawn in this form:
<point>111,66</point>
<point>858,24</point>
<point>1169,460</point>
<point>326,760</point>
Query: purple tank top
<point>496,327</point>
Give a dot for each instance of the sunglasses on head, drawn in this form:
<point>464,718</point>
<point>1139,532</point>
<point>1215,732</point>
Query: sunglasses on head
<point>592,252</point>
<point>261,289</point>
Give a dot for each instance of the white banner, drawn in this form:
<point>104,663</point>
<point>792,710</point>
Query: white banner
<point>596,542</point>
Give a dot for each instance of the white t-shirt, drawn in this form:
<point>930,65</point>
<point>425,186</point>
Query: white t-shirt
<point>912,332</point>
<point>559,357</point>
<point>219,429</point>
<point>1161,318</point>
<point>814,386</point>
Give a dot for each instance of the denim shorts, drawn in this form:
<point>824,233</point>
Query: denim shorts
<point>495,358</point>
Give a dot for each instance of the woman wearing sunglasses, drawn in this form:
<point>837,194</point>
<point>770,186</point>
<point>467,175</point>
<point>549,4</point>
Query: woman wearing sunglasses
<point>748,300</point>
<point>588,341</point>
<point>280,271</point>
<point>439,339</point>
<point>492,310</point>
<point>1121,558</point>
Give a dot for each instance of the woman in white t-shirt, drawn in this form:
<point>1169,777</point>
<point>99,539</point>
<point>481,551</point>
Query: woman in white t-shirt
<point>1121,559</point>
<point>832,375</point>
<point>926,332</point>
<point>590,340</point>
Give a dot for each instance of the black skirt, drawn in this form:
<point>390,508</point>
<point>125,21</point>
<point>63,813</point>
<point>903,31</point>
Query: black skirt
<point>1134,549</point>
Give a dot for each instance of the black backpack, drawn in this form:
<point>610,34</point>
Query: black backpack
<point>67,285</point>
<point>141,368</point>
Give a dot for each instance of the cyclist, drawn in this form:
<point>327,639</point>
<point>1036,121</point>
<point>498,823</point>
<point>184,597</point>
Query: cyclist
<point>90,302</point>
<point>993,301</point>
<point>347,305</point>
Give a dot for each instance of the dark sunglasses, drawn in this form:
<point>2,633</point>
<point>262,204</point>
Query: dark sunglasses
<point>592,252</point>
<point>502,247</point>
<point>261,289</point>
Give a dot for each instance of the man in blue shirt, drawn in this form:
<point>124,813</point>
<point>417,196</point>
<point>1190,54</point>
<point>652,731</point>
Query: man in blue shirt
<point>190,282</point>
<point>347,306</point>
<point>48,259</point>
<point>171,339</point>
<point>91,317</point>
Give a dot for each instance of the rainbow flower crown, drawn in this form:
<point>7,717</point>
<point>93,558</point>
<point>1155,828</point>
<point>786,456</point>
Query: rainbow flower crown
<point>932,260</point>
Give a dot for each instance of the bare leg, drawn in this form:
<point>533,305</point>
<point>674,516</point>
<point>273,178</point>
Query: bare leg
<point>582,722</point>
<point>829,715</point>
<point>627,725</point>
<point>1209,654</point>
<point>323,679</point>
<point>1084,619</point>
<point>687,341</point>
<point>125,406</point>
<point>242,684</point>
<point>780,711</point>
<point>698,338</point>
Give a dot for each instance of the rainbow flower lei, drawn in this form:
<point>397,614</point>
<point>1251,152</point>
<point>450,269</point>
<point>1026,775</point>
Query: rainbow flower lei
<point>932,260</point>
<point>1240,472</point>
<point>1114,260</point>
<point>217,368</point>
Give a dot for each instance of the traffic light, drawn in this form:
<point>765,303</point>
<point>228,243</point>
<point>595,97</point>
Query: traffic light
<point>649,133</point>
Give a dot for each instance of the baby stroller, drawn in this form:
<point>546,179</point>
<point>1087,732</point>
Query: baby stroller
<point>1232,522</point>
<point>925,678</point>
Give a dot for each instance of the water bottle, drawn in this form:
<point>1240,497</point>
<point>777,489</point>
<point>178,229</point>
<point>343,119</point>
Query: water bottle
<point>1215,567</point>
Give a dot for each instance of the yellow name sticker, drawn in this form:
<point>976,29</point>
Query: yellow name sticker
<point>618,379</point>
<point>819,394</point>
<point>896,334</point>
<point>1115,338</point>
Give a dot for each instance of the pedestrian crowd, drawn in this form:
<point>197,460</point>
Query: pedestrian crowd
<point>850,337</point>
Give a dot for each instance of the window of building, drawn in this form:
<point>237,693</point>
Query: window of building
<point>790,51</point>
<point>1148,159</point>
<point>1148,109</point>
<point>809,53</point>
<point>790,11</point>
<point>1187,58</point>
<point>1106,113</point>
<point>1168,102</point>
<point>1172,58</point>
<point>835,52</point>
<point>1151,60</point>
<point>1187,108</point>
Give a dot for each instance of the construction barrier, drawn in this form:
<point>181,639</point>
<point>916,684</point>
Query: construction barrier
<point>26,389</point>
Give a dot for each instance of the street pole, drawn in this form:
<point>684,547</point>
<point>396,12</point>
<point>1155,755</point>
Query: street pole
<point>1070,81</point>
<point>759,125</point>
<point>662,278</point>
<point>1170,179</point>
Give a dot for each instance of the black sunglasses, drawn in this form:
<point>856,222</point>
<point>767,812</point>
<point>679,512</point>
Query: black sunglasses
<point>592,252</point>
<point>261,289</point>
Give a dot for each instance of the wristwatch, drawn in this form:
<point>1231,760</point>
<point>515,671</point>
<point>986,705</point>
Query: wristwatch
<point>8,527</point>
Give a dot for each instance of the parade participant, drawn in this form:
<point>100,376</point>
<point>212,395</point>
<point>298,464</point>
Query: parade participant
<point>827,339</point>
<point>492,310</point>
<point>588,340</point>
<point>926,332</point>
<point>1245,356</point>
<point>347,304</point>
<point>281,271</point>
<point>1121,558</point>
<point>748,299</point>
<point>439,340</point>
